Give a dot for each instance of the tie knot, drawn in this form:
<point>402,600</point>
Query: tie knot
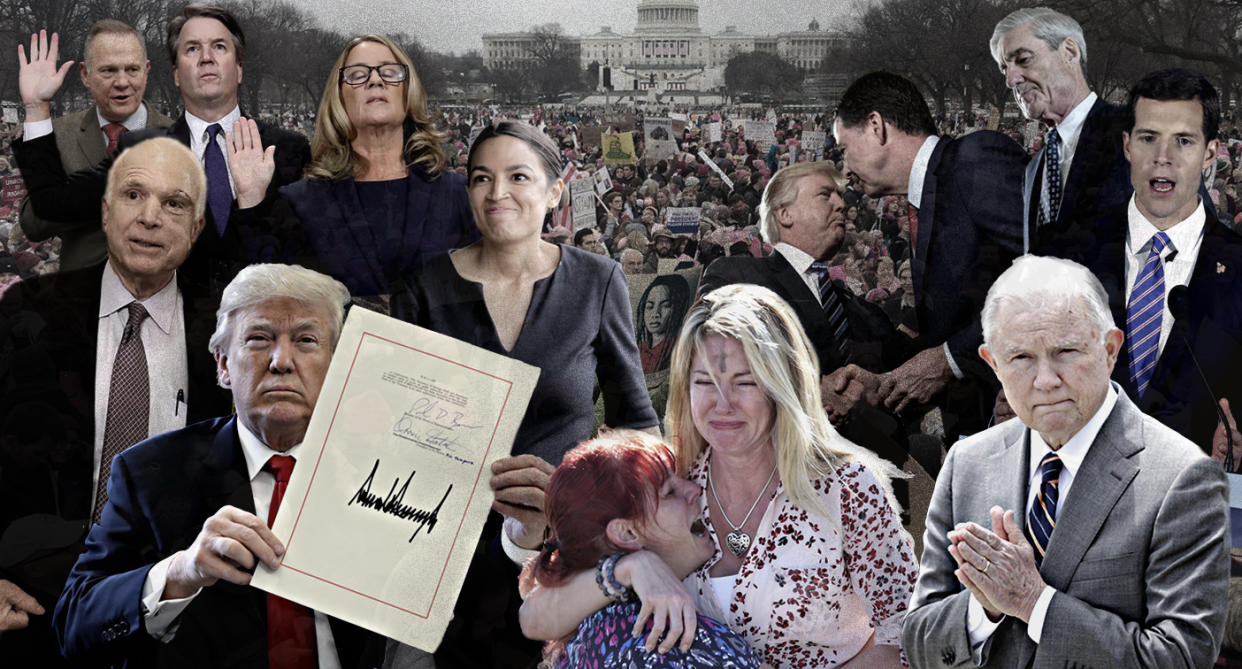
<point>1050,466</point>
<point>281,467</point>
<point>137,313</point>
<point>114,130</point>
<point>1054,138</point>
<point>214,131</point>
<point>1159,242</point>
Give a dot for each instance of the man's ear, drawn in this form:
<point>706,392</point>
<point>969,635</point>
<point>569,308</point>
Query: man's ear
<point>878,127</point>
<point>623,534</point>
<point>784,217</point>
<point>986,354</point>
<point>222,370</point>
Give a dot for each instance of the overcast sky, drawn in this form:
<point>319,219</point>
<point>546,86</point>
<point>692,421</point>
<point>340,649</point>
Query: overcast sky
<point>457,26</point>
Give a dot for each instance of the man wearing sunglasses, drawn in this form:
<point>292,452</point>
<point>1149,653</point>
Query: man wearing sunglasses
<point>246,160</point>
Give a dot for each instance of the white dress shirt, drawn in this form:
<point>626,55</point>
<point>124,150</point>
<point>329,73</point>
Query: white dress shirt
<point>163,341</point>
<point>1070,130</point>
<point>1179,261</point>
<point>161,616</point>
<point>135,121</point>
<point>801,262</point>
<point>1072,453</point>
<point>199,135</point>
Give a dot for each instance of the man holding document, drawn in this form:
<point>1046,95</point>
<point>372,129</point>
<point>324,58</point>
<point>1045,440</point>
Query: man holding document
<point>165,577</point>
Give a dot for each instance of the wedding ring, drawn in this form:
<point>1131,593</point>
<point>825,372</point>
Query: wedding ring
<point>987,566</point>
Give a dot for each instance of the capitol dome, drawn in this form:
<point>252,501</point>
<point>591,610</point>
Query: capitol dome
<point>667,16</point>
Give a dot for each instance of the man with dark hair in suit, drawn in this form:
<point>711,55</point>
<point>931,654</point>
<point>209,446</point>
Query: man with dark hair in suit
<point>114,69</point>
<point>1171,270</point>
<point>104,356</point>
<point>1043,54</point>
<point>965,226</point>
<point>164,580</point>
<point>1108,541</point>
<point>240,155</point>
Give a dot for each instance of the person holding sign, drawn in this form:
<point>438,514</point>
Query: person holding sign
<point>810,563</point>
<point>612,496</point>
<point>556,307</point>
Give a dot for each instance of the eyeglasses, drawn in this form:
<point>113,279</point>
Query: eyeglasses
<point>390,73</point>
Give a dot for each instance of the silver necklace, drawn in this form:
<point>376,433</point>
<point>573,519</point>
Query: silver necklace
<point>737,541</point>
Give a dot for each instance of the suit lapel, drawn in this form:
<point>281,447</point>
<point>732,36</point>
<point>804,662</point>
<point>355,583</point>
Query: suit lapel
<point>1031,186</point>
<point>90,138</point>
<point>1105,474</point>
<point>927,219</point>
<point>231,478</point>
<point>1089,147</point>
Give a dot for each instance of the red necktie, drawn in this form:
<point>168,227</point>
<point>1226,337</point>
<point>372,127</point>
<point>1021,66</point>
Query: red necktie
<point>913,213</point>
<point>114,132</point>
<point>290,626</point>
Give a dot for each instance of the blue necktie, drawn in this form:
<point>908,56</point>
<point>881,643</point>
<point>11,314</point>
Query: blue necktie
<point>1144,315</point>
<point>833,309</point>
<point>1042,517</point>
<point>1052,173</point>
<point>219,194</point>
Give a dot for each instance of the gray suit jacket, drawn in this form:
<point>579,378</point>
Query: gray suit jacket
<point>81,145</point>
<point>1139,557</point>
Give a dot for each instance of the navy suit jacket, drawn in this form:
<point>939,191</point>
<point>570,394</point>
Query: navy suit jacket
<point>215,257</point>
<point>1099,176</point>
<point>328,221</point>
<point>1213,325</point>
<point>160,493</point>
<point>970,230</point>
<point>48,329</point>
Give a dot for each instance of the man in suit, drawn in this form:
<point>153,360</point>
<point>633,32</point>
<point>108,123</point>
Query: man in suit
<point>114,69</point>
<point>1108,544</point>
<point>246,162</point>
<point>92,361</point>
<point>1042,54</point>
<point>965,226</point>
<point>164,579</point>
<point>1166,236</point>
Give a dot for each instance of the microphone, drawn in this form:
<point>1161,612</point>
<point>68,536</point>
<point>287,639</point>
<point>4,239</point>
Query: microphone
<point>1179,307</point>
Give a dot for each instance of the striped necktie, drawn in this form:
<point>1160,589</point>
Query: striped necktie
<point>833,309</point>
<point>1051,208</point>
<point>1145,313</point>
<point>1042,517</point>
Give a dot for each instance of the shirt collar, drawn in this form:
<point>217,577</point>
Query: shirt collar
<point>256,452</point>
<point>1184,234</point>
<point>1070,127</point>
<point>114,296</point>
<point>198,127</point>
<point>135,121</point>
<point>1075,450</point>
<point>918,171</point>
<point>798,259</point>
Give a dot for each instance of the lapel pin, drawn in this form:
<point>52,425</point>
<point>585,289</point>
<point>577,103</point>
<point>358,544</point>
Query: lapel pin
<point>1220,268</point>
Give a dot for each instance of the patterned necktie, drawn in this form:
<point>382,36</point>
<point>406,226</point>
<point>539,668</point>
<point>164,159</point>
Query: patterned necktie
<point>129,399</point>
<point>1145,313</point>
<point>114,131</point>
<point>1049,209</point>
<point>219,193</point>
<point>834,311</point>
<point>912,214</point>
<point>290,626</point>
<point>1042,517</point>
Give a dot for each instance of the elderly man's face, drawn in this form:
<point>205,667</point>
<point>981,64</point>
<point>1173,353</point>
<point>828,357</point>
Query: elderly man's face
<point>115,72</point>
<point>148,216</point>
<point>1044,81</point>
<point>632,263</point>
<point>1052,365</point>
<point>274,362</point>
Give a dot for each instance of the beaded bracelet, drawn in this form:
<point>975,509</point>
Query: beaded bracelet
<point>607,581</point>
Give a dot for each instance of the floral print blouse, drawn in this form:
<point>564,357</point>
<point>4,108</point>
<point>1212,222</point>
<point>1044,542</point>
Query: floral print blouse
<point>604,642</point>
<point>812,590</point>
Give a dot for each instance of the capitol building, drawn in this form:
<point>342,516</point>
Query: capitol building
<point>668,52</point>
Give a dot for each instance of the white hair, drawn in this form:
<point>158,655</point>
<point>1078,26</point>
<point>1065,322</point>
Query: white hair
<point>1039,282</point>
<point>1048,25</point>
<point>257,283</point>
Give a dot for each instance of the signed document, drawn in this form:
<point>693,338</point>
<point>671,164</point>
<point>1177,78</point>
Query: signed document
<point>389,495</point>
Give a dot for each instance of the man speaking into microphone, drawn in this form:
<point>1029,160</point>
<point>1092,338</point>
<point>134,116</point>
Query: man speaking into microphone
<point>1164,241</point>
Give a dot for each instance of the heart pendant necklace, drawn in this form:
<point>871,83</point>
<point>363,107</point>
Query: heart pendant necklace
<point>737,541</point>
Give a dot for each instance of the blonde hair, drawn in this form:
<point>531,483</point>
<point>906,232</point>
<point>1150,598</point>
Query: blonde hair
<point>782,190</point>
<point>784,365</point>
<point>333,157</point>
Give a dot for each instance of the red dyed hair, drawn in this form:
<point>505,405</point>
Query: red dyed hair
<point>616,475</point>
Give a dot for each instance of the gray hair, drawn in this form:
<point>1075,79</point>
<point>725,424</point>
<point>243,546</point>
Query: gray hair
<point>1048,25</point>
<point>1040,282</point>
<point>165,144</point>
<point>782,190</point>
<point>257,283</point>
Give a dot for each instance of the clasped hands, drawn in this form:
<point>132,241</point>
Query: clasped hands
<point>918,380</point>
<point>997,566</point>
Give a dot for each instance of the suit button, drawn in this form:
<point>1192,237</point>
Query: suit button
<point>947,655</point>
<point>122,628</point>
